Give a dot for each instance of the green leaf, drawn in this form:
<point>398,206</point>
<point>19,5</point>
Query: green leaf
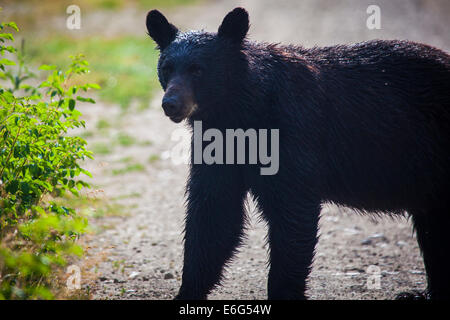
<point>13,186</point>
<point>93,86</point>
<point>47,67</point>
<point>85,99</point>
<point>7,36</point>
<point>71,104</point>
<point>12,25</point>
<point>7,62</point>
<point>24,187</point>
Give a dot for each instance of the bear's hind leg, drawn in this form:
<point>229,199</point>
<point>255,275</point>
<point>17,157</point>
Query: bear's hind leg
<point>433,235</point>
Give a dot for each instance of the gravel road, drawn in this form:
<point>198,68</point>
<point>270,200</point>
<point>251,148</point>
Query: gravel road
<point>139,255</point>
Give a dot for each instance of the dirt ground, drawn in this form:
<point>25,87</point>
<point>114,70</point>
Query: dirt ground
<point>143,250</point>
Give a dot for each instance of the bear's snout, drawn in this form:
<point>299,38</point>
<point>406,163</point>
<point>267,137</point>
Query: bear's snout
<point>171,107</point>
<point>178,102</point>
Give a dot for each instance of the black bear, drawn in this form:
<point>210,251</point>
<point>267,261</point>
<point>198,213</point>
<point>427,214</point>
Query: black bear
<point>365,126</point>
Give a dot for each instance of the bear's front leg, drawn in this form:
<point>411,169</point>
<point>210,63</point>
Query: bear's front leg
<point>292,238</point>
<point>214,227</point>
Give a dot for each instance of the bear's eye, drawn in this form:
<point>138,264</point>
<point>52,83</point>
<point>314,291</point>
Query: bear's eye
<point>195,70</point>
<point>166,71</point>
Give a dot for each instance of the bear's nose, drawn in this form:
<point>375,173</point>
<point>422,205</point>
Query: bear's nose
<point>170,106</point>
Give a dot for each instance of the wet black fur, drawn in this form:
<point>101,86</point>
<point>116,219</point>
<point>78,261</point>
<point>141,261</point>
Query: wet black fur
<point>364,125</point>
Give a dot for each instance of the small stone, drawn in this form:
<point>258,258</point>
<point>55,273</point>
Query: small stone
<point>416,272</point>
<point>401,243</point>
<point>378,236</point>
<point>168,276</point>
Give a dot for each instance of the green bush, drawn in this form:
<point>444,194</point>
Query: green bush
<point>39,162</point>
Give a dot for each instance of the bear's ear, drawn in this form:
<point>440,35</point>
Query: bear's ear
<point>160,29</point>
<point>235,25</point>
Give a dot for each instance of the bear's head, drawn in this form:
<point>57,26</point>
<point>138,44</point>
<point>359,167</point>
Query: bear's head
<point>196,68</point>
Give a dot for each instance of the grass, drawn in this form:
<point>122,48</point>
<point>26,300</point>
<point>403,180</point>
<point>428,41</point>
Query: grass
<point>146,143</point>
<point>125,67</point>
<point>133,167</point>
<point>147,4</point>
<point>127,196</point>
<point>94,207</point>
<point>125,140</point>
<point>103,124</point>
<point>101,148</point>
<point>153,158</point>
<point>34,11</point>
<point>126,159</point>
<point>122,139</point>
<point>86,134</point>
